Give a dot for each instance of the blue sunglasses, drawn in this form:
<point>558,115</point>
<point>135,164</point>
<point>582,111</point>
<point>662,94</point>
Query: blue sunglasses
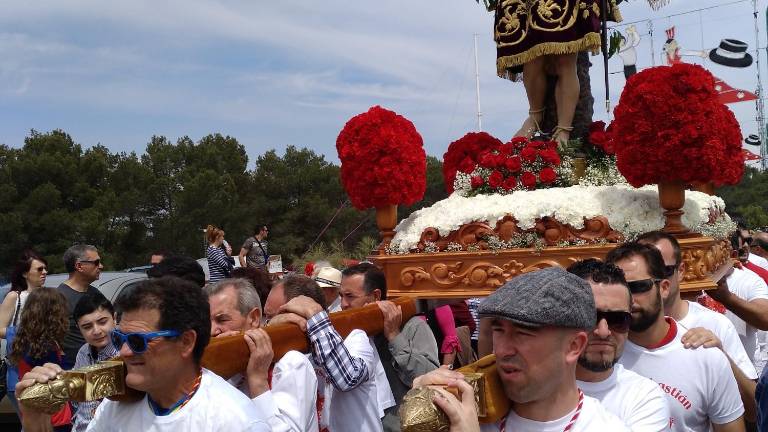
<point>138,342</point>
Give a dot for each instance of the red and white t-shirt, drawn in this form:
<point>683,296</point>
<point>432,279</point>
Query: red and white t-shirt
<point>748,286</point>
<point>699,384</point>
<point>758,260</point>
<point>722,327</point>
<point>593,417</point>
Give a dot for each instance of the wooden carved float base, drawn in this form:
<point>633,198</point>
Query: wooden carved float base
<point>549,230</point>
<point>477,274</point>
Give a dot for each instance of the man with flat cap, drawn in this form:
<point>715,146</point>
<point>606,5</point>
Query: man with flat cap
<point>540,323</point>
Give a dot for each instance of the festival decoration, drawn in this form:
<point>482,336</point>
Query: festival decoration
<point>731,53</point>
<point>727,94</point>
<point>462,155</point>
<point>749,156</point>
<point>752,140</point>
<point>627,210</point>
<point>517,165</point>
<point>382,160</point>
<point>626,50</point>
<point>670,127</point>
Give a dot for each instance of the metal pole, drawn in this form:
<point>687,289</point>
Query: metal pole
<point>477,88</point>
<point>604,47</point>
<point>759,103</point>
<point>650,32</point>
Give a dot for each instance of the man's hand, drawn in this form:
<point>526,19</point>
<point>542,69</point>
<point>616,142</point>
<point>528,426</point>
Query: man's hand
<point>259,361</point>
<point>289,318</point>
<point>302,306</point>
<point>699,336</point>
<point>393,319</point>
<point>32,420</point>
<point>441,376</point>
<point>461,411</point>
<point>721,293</point>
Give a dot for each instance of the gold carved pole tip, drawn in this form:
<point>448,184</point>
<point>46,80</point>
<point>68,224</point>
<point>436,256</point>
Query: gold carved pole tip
<point>80,385</point>
<point>419,414</point>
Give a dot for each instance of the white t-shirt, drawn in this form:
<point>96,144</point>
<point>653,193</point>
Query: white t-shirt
<point>593,417</point>
<point>758,261</point>
<point>356,410</point>
<point>291,402</point>
<point>699,384</point>
<point>722,327</point>
<point>636,400</point>
<point>748,286</point>
<point>216,406</point>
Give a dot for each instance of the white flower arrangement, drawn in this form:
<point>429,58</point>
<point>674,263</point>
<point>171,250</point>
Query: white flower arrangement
<point>629,210</point>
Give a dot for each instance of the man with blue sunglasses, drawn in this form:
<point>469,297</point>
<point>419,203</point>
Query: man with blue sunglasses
<point>164,329</point>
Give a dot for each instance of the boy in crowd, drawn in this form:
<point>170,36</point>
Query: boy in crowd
<point>95,317</point>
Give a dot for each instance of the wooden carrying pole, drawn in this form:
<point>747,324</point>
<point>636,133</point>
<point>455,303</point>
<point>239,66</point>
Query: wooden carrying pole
<point>228,356</point>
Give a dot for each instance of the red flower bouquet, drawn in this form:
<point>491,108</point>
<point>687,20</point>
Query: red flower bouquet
<point>601,138</point>
<point>670,126</point>
<point>503,168</point>
<point>382,159</point>
<point>464,153</point>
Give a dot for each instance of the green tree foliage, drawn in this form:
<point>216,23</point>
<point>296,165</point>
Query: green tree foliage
<point>749,198</point>
<point>53,193</point>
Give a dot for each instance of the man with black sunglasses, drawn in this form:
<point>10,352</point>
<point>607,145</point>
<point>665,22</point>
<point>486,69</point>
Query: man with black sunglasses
<point>745,296</point>
<point>636,400</point>
<point>699,394</point>
<point>707,327</point>
<point>164,329</point>
<point>759,247</point>
<point>84,266</point>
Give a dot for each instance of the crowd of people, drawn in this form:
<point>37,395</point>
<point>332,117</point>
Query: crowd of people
<point>604,345</point>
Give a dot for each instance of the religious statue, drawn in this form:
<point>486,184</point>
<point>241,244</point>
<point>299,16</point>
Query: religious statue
<point>543,37</point>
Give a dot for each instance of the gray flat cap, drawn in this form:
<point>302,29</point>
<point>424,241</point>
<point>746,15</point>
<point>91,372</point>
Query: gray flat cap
<point>547,297</point>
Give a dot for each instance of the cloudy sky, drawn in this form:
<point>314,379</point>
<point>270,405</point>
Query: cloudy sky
<point>274,74</point>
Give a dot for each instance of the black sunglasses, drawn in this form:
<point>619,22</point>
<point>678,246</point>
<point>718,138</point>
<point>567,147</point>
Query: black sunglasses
<point>96,262</point>
<point>747,240</point>
<point>642,285</point>
<point>617,321</point>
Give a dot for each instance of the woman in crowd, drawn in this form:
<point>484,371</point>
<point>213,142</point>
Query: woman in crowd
<point>44,323</point>
<point>220,264</point>
<point>28,274</point>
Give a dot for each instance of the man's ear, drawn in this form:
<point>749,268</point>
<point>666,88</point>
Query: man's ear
<point>377,294</point>
<point>664,288</point>
<point>254,318</point>
<point>188,339</point>
<point>681,272</point>
<point>578,342</point>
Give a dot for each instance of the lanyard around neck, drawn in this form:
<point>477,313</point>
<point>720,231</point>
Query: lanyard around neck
<point>568,427</point>
<point>160,411</point>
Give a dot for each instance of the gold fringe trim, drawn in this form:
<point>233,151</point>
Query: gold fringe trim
<point>590,42</point>
<point>615,14</point>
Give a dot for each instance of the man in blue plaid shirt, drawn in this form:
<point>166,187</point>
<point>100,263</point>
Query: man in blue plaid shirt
<point>350,368</point>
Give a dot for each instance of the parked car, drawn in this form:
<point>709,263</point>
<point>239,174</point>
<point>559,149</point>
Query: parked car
<point>110,283</point>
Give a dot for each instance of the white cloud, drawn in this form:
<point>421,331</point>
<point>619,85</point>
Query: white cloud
<point>277,73</point>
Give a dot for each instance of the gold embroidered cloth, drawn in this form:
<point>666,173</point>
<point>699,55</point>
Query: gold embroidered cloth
<point>526,29</point>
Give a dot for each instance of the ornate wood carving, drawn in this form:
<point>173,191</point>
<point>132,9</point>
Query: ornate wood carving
<point>475,274</point>
<point>553,232</point>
